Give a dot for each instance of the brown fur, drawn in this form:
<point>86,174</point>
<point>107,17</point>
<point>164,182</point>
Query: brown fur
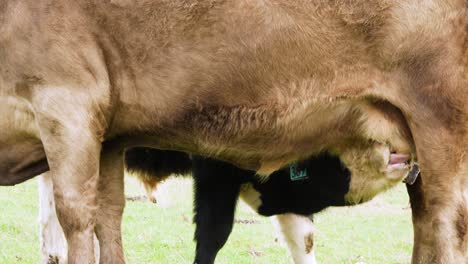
<point>309,242</point>
<point>257,83</point>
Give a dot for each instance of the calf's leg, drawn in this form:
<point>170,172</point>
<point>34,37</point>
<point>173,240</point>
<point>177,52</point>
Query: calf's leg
<point>298,233</point>
<point>217,186</point>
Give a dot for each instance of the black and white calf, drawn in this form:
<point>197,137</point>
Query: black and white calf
<point>292,198</point>
<point>292,195</point>
<point>217,186</point>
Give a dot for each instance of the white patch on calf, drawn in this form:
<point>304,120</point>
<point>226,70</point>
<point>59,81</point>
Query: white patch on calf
<point>298,233</point>
<point>250,196</point>
<point>296,230</point>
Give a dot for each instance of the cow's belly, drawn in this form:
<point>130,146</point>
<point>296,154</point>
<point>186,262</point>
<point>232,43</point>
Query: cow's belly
<point>369,138</point>
<point>266,138</point>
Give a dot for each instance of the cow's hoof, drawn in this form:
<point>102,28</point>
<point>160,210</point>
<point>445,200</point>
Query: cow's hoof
<point>53,260</point>
<point>152,199</point>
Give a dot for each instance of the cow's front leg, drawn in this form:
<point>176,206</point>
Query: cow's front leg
<point>439,125</point>
<point>439,199</point>
<point>111,202</point>
<point>433,95</point>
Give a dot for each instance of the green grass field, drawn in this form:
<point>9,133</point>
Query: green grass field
<point>376,232</point>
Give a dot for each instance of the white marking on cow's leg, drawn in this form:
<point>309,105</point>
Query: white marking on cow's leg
<point>298,233</point>
<point>111,202</point>
<point>52,240</point>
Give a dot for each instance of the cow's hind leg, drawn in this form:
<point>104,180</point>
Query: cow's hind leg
<point>217,187</point>
<point>52,240</point>
<point>75,185</point>
<point>75,175</point>
<point>111,202</point>
<point>71,131</point>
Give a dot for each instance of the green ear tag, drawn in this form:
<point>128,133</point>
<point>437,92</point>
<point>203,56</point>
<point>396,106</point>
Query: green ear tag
<point>297,172</point>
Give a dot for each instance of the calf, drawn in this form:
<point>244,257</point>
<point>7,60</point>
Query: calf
<point>291,200</point>
<point>325,181</point>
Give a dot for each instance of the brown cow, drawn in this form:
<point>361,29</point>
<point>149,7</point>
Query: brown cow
<point>257,83</point>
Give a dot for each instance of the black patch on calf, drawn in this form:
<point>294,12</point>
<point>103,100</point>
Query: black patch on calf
<point>327,184</point>
<point>154,162</point>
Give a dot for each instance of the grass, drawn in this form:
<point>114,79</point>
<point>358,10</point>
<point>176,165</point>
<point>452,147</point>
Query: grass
<point>376,232</point>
